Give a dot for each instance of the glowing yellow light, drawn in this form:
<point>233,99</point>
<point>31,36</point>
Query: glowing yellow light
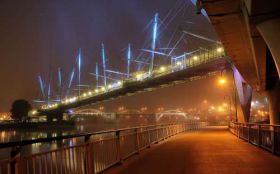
<point>119,83</point>
<point>213,107</point>
<point>195,58</point>
<point>162,68</point>
<point>110,86</point>
<point>224,105</point>
<point>220,109</point>
<point>222,81</point>
<point>139,76</point>
<point>178,63</point>
<point>34,112</point>
<point>89,93</point>
<point>219,50</point>
<point>103,88</point>
<point>96,90</point>
<point>85,94</point>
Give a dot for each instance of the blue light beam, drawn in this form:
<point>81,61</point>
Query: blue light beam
<point>104,64</point>
<point>97,74</point>
<point>59,78</point>
<point>41,85</point>
<point>71,78</point>
<point>155,28</point>
<point>128,60</point>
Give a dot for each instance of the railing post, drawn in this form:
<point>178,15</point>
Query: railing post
<point>237,130</point>
<point>149,135</point>
<point>15,154</point>
<point>137,140</point>
<point>89,156</point>
<point>249,126</point>
<point>273,140</point>
<point>259,135</point>
<point>118,145</point>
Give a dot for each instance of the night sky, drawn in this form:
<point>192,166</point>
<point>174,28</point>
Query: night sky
<point>42,35</point>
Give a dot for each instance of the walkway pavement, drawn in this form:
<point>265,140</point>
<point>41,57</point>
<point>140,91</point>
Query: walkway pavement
<point>211,151</point>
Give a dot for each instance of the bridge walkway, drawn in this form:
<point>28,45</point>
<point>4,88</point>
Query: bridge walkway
<point>210,151</point>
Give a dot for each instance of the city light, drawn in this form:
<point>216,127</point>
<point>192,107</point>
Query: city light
<point>220,109</point>
<point>219,50</point>
<point>162,68</point>
<point>222,81</point>
<point>195,58</point>
<point>119,83</point>
<point>178,63</point>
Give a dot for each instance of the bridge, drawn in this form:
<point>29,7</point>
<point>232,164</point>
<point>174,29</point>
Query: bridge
<point>185,68</point>
<point>249,32</point>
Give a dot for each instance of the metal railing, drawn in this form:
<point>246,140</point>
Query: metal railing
<point>97,152</point>
<point>262,135</point>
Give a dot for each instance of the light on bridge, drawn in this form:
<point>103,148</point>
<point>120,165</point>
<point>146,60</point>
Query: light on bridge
<point>119,83</point>
<point>103,88</point>
<point>195,58</point>
<point>162,69</point>
<point>178,63</point>
<point>219,50</point>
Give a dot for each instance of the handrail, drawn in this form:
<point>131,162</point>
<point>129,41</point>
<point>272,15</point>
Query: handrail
<point>266,136</point>
<point>92,155</point>
<point>49,139</point>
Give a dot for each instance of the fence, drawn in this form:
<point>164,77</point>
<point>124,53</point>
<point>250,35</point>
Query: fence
<point>97,152</point>
<point>262,135</point>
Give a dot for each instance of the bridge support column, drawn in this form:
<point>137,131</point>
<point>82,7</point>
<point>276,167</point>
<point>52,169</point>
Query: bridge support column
<point>274,104</point>
<point>269,30</point>
<point>244,97</point>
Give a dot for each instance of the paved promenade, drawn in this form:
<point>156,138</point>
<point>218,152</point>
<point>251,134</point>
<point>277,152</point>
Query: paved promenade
<point>211,151</point>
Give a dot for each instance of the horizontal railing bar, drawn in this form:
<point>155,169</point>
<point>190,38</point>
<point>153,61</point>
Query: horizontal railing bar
<point>41,140</point>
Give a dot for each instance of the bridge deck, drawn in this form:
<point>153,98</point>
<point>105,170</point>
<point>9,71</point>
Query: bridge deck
<point>214,150</point>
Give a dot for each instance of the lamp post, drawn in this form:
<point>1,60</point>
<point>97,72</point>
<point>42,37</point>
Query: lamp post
<point>223,81</point>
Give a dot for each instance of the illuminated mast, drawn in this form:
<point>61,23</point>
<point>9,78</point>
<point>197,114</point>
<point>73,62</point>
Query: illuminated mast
<point>96,74</point>
<point>49,92</point>
<point>79,71</point>
<point>59,78</point>
<point>71,78</point>
<point>155,28</point>
<point>41,85</point>
<point>128,60</point>
<point>104,65</point>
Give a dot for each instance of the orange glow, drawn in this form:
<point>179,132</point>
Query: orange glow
<point>220,109</point>
<point>222,81</point>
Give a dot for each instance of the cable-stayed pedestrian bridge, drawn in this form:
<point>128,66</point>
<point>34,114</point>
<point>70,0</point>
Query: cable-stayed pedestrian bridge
<point>183,68</point>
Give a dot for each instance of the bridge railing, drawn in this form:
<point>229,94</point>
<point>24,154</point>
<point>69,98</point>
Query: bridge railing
<point>97,152</point>
<point>262,135</point>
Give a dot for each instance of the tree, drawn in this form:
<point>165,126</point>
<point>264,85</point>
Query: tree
<point>20,109</point>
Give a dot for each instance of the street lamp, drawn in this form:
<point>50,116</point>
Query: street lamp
<point>222,81</point>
